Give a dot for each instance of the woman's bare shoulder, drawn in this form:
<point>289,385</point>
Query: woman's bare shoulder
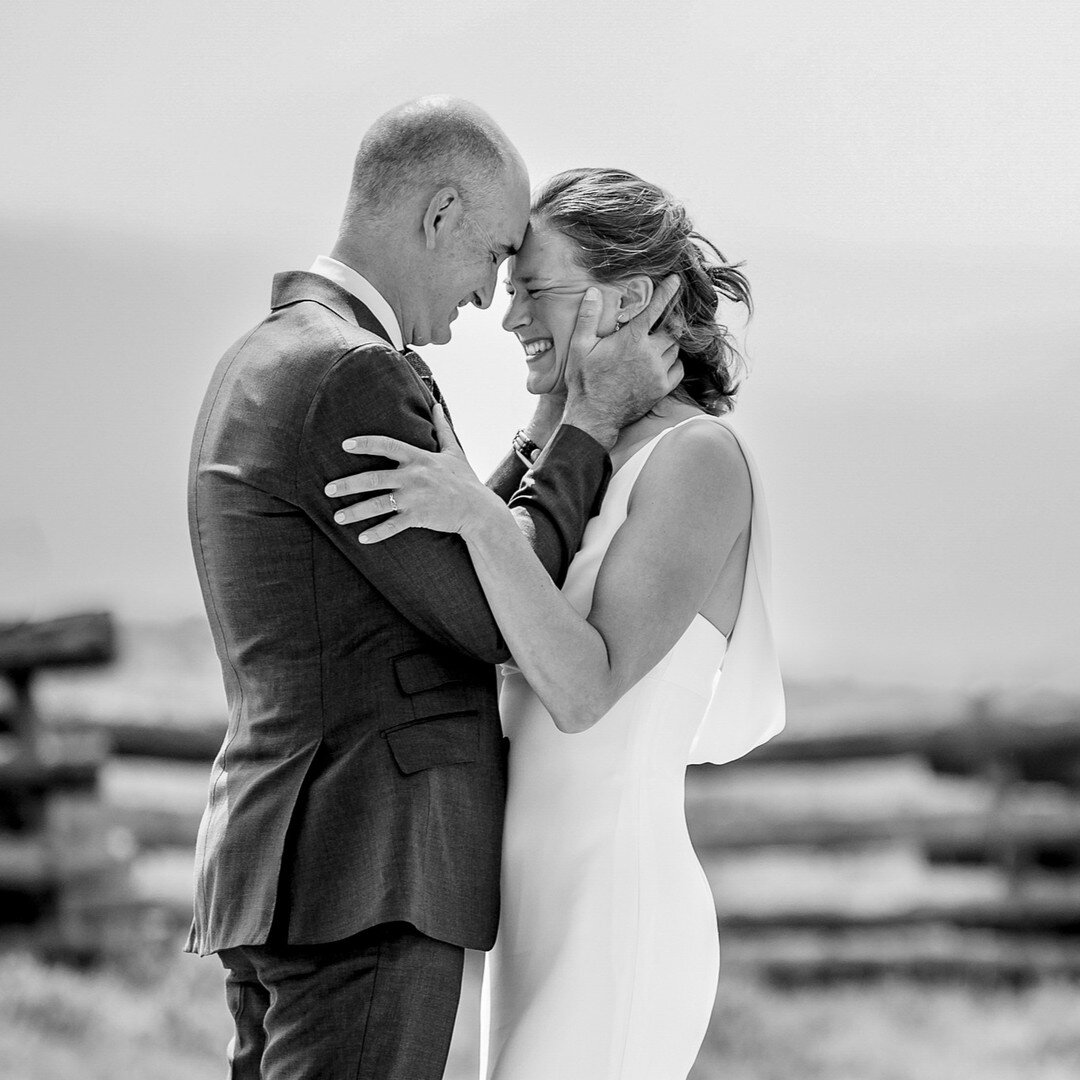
<point>702,458</point>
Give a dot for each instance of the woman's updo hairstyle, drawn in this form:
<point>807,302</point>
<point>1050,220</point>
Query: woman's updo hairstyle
<point>624,226</point>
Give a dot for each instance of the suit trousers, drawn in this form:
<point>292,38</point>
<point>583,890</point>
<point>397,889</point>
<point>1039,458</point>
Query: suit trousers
<point>376,1006</point>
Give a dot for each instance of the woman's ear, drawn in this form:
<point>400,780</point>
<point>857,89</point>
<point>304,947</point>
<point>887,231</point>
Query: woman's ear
<point>636,294</point>
<point>442,216</point>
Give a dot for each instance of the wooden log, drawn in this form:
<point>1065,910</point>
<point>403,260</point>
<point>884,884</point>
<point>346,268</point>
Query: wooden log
<point>1035,750</point>
<point>951,746</point>
<point>961,748</point>
<point>201,743</point>
<point>1018,914</point>
<point>923,953</point>
<point>1017,824</point>
<point>69,760</point>
<point>154,827</point>
<point>75,640</point>
<point>25,864</point>
<point>195,744</point>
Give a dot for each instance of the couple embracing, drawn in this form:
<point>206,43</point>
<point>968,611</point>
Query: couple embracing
<point>460,714</point>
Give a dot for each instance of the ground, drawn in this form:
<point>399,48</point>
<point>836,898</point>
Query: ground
<point>163,1015</point>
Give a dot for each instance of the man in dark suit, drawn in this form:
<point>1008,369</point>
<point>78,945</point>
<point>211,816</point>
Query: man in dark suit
<point>349,851</point>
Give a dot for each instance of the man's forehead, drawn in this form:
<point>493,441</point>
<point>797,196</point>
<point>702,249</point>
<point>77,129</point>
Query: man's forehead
<point>507,225</point>
<point>519,227</point>
<point>518,205</point>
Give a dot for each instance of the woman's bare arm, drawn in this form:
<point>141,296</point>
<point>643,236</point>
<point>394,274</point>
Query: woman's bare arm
<point>688,508</point>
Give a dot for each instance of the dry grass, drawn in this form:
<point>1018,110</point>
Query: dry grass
<point>893,1031</point>
<point>57,1023</point>
<point>166,1018</point>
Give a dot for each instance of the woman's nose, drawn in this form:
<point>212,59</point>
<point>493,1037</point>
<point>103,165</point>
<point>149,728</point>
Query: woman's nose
<point>515,314</point>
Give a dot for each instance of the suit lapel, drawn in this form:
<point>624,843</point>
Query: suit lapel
<point>296,286</point>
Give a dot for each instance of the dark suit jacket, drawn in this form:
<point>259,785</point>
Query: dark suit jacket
<point>362,777</point>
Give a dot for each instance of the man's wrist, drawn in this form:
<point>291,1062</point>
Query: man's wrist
<point>540,433</point>
<point>602,429</point>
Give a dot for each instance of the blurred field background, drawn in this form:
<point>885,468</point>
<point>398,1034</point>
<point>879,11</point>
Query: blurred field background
<point>902,183</point>
<point>829,970</point>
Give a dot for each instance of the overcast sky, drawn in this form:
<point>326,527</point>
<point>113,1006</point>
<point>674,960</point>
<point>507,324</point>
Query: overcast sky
<point>901,180</point>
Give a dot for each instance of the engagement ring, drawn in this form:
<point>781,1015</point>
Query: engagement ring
<point>393,504</point>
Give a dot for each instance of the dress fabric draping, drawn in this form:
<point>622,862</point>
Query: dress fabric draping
<point>607,956</point>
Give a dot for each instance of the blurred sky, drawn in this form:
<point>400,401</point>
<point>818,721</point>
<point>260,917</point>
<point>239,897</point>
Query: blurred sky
<point>902,181</point>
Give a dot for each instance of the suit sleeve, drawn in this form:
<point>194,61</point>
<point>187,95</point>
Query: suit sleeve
<point>558,495</point>
<point>428,576</point>
<point>507,477</point>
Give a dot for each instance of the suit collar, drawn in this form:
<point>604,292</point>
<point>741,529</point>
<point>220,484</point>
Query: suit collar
<point>293,286</point>
<point>353,282</point>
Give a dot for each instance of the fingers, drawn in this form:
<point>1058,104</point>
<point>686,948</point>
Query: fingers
<point>584,336</point>
<point>368,508</point>
<point>382,446</point>
<point>666,344</point>
<point>361,483</point>
<point>390,527</point>
<point>444,433</point>
<point>675,373</point>
<point>661,297</point>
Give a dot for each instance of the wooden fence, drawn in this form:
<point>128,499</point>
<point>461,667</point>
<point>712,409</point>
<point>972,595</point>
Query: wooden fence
<point>945,846</point>
<point>61,867</point>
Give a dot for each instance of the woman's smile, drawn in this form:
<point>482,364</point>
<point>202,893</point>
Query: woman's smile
<point>536,348</point>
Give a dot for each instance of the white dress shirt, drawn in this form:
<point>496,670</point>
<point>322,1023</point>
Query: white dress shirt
<point>364,291</point>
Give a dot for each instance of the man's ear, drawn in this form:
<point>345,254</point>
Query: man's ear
<point>442,216</point>
<point>637,291</point>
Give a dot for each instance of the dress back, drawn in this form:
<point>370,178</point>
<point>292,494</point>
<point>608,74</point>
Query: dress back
<point>745,692</point>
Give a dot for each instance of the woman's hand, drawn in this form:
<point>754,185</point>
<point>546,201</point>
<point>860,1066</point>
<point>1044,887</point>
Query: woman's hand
<point>427,490</point>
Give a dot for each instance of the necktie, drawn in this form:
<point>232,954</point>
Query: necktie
<point>418,365</point>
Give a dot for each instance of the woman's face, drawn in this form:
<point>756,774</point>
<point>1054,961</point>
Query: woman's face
<point>546,286</point>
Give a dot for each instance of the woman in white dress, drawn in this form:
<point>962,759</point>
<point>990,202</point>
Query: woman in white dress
<point>607,957</point>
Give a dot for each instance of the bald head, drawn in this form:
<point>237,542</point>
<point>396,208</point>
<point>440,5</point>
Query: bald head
<point>439,199</point>
<point>423,145</point>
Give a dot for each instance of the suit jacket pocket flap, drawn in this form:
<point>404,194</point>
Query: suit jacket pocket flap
<point>419,671</point>
<point>442,740</point>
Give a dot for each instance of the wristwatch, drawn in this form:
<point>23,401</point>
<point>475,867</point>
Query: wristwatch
<point>526,449</point>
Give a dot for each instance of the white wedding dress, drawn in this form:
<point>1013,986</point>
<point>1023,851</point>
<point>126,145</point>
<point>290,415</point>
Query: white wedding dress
<point>607,957</point>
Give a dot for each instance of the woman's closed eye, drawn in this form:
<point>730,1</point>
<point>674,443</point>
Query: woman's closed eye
<point>548,290</point>
<point>528,292</point>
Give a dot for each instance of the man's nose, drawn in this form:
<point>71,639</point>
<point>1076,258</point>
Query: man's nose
<point>482,297</point>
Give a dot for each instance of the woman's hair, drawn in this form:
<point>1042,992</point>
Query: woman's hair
<point>624,226</point>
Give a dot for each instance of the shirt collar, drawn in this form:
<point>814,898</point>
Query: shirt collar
<point>365,292</point>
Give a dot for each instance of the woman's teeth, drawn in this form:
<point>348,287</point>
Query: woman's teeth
<point>535,348</point>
